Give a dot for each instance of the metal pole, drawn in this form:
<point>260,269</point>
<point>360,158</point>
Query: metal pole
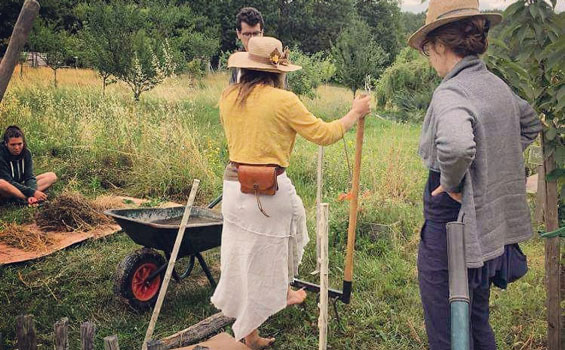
<point>458,286</point>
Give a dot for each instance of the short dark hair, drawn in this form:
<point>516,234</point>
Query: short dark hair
<point>13,131</point>
<point>464,37</point>
<point>249,15</point>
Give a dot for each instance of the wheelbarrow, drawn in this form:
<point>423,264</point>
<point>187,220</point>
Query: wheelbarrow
<point>140,274</point>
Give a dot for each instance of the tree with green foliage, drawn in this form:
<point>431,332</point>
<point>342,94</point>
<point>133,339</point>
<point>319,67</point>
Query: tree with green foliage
<point>356,56</point>
<point>529,55</point>
<point>316,69</point>
<point>407,86</point>
<point>122,40</point>
<point>384,19</point>
<point>55,45</point>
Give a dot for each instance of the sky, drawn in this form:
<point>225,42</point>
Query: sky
<point>417,6</point>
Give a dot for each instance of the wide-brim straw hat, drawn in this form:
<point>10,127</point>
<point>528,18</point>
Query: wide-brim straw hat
<point>441,12</point>
<point>264,54</point>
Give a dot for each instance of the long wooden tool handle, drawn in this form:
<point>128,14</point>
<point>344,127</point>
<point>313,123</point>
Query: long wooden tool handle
<point>171,265</point>
<point>29,11</point>
<point>348,276</point>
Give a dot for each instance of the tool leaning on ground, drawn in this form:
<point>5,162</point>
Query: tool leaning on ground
<point>171,264</point>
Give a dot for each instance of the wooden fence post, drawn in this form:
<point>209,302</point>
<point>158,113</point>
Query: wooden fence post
<point>111,343</point>
<point>61,335</point>
<point>25,333</point>
<point>323,263</point>
<point>87,331</point>
<point>156,345</point>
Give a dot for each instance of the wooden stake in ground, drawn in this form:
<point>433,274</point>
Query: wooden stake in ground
<point>23,26</point>
<point>319,175</point>
<point>171,265</point>
<point>324,285</point>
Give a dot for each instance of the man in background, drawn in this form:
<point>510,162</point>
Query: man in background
<point>249,23</point>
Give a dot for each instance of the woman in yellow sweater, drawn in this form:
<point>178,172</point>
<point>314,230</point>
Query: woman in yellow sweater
<point>264,230</point>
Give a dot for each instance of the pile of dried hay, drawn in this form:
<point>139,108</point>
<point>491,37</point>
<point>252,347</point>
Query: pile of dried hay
<point>17,236</point>
<point>70,211</point>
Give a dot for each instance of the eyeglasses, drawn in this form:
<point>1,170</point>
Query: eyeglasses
<point>425,48</point>
<point>252,34</point>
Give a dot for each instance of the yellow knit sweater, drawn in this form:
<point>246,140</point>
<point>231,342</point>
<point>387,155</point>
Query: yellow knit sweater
<point>264,130</point>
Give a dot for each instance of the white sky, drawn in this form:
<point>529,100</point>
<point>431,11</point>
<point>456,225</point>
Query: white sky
<point>416,6</point>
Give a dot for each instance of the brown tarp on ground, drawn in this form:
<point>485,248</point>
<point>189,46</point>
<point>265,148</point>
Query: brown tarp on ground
<point>61,240</point>
<point>222,341</point>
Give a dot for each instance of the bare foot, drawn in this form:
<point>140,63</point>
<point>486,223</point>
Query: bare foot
<point>258,343</point>
<point>295,296</point>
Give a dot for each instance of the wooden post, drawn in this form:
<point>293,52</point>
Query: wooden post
<point>155,345</point>
<point>552,260</point>
<point>23,26</point>
<point>25,333</point>
<point>324,285</point>
<point>171,265</point>
<point>319,183</point>
<point>111,343</point>
<point>61,334</point>
<point>87,331</point>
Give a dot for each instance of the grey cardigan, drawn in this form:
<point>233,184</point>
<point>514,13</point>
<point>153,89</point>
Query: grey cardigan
<point>474,134</point>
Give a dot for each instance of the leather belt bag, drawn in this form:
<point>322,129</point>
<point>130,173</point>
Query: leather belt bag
<point>258,179</point>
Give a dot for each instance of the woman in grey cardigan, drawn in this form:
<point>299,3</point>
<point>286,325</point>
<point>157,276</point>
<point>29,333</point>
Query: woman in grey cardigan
<point>472,141</point>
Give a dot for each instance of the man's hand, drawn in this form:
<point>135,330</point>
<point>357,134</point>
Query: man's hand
<point>32,201</point>
<point>455,196</point>
<point>40,196</point>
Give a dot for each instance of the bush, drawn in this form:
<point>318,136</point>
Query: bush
<point>316,69</point>
<point>406,87</point>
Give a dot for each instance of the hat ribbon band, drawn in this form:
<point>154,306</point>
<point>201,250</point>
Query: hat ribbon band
<point>267,60</point>
<point>452,12</point>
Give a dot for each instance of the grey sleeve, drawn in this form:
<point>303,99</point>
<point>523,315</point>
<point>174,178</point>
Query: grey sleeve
<point>530,125</point>
<point>454,139</point>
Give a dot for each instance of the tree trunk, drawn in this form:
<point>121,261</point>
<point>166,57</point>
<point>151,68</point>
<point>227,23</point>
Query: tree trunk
<point>552,259</point>
<point>55,76</point>
<point>21,70</point>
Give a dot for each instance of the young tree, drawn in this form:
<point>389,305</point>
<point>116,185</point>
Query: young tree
<point>385,20</point>
<point>122,40</point>
<point>55,45</point>
<point>316,69</point>
<point>357,56</point>
<point>530,57</point>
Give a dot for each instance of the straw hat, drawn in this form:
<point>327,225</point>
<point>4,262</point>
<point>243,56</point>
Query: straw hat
<point>264,54</point>
<point>441,12</point>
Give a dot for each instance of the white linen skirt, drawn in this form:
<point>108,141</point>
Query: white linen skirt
<point>259,255</point>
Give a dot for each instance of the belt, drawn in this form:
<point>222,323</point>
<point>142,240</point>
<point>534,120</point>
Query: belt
<point>279,169</point>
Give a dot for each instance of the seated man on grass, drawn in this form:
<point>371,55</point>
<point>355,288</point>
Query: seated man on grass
<point>17,182</point>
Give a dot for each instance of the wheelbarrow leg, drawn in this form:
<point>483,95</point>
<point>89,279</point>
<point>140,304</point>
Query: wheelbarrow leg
<point>206,269</point>
<point>175,275</point>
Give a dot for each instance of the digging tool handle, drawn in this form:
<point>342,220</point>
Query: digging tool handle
<point>171,264</point>
<point>23,26</point>
<point>348,276</point>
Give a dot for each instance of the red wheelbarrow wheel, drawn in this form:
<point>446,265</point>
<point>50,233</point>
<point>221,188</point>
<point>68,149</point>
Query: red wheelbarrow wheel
<point>131,283</point>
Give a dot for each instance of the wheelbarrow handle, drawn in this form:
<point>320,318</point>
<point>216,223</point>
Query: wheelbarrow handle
<point>215,201</point>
